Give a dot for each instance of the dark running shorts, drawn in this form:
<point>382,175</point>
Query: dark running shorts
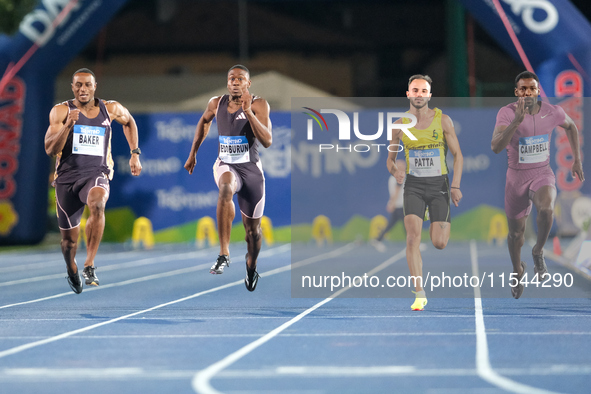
<point>420,192</point>
<point>71,199</point>
<point>250,186</point>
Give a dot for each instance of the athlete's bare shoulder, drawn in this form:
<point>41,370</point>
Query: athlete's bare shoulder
<point>59,112</point>
<point>215,100</point>
<point>63,103</point>
<point>259,102</point>
<point>447,123</point>
<point>445,118</point>
<point>110,103</point>
<point>213,103</point>
<point>115,109</point>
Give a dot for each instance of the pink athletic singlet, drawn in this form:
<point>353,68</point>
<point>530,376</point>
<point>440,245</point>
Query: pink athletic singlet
<point>528,154</point>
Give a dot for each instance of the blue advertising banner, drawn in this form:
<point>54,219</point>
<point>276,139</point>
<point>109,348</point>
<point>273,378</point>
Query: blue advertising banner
<point>48,38</point>
<point>554,35</point>
<point>166,193</point>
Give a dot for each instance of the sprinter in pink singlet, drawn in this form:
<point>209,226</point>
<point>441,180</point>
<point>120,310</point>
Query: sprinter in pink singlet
<point>525,129</point>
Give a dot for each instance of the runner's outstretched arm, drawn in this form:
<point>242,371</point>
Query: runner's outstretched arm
<point>572,133</point>
<point>392,154</point>
<point>454,147</point>
<point>121,115</point>
<point>201,132</point>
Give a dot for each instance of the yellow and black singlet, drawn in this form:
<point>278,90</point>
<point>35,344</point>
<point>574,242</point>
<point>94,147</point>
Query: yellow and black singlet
<point>425,157</point>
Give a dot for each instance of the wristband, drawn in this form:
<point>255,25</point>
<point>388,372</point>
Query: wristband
<point>136,150</point>
<point>455,188</point>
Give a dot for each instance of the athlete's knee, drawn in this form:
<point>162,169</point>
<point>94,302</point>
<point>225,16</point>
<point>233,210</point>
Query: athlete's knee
<point>67,245</point>
<point>440,243</point>
<point>253,234</point>
<point>226,192</point>
<point>545,212</point>
<point>413,239</point>
<point>516,235</point>
<point>96,207</point>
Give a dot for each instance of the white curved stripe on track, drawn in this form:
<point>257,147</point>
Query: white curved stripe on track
<point>483,367</point>
<point>201,380</point>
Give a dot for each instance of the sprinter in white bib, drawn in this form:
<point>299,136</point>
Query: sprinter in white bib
<point>243,123</point>
<point>426,182</point>
<point>79,134</point>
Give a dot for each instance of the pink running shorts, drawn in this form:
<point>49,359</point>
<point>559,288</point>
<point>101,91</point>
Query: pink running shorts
<point>522,185</point>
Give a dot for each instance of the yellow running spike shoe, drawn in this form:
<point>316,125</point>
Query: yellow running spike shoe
<point>420,301</point>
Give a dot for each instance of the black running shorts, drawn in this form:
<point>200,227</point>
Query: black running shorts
<point>420,192</point>
<point>72,197</point>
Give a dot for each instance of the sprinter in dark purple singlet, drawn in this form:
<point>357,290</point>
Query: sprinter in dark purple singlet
<point>79,134</point>
<point>243,122</point>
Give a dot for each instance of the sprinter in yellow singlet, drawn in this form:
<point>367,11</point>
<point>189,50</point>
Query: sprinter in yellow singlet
<point>427,183</point>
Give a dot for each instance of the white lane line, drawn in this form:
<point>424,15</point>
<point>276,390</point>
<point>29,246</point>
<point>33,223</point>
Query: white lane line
<point>266,253</point>
<point>111,267</point>
<point>56,338</point>
<point>26,258</point>
<point>131,264</point>
<point>27,267</point>
<point>415,315</point>
<point>104,256</point>
<point>321,370</point>
<point>31,345</point>
<point>124,283</point>
<point>201,380</point>
<point>483,367</point>
<point>298,335</point>
<point>409,316</point>
<point>64,373</point>
<point>280,372</point>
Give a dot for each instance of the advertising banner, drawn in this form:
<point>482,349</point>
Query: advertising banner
<point>554,35</point>
<point>48,38</point>
<point>170,197</point>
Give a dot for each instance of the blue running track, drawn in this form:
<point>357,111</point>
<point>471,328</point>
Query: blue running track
<point>160,323</point>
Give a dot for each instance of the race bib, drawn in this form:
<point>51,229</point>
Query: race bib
<point>234,150</point>
<point>88,140</point>
<point>423,163</point>
<point>534,149</point>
